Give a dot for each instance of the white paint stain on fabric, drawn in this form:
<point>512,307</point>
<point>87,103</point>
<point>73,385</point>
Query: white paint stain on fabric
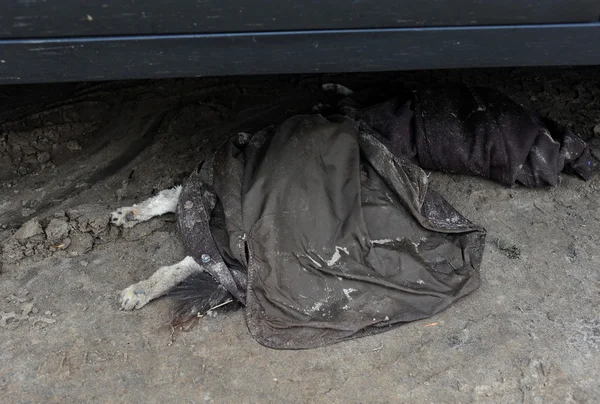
<point>336,255</point>
<point>347,293</point>
<point>384,241</point>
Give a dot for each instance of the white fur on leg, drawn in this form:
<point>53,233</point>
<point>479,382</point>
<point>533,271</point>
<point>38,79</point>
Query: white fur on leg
<point>164,279</point>
<point>164,202</point>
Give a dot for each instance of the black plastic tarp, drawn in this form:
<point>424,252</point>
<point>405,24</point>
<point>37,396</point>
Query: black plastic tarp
<point>326,229</point>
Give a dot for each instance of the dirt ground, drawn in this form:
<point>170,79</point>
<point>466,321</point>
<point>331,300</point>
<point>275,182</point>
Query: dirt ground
<point>70,154</point>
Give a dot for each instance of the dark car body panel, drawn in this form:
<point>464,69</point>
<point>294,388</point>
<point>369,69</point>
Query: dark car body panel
<point>50,41</point>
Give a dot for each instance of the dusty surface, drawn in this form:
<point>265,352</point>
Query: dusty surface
<point>531,333</point>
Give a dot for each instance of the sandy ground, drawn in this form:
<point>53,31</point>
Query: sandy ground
<point>70,154</point>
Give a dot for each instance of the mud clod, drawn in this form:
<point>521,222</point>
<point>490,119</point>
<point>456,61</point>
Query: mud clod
<point>57,230</point>
<point>29,229</point>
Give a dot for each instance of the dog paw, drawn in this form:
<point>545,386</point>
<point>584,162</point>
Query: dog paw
<point>133,297</point>
<point>126,217</point>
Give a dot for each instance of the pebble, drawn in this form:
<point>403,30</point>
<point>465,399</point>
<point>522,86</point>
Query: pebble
<point>83,263</point>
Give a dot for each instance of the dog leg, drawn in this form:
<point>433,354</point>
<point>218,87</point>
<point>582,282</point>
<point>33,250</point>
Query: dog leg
<point>164,202</point>
<point>164,279</point>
